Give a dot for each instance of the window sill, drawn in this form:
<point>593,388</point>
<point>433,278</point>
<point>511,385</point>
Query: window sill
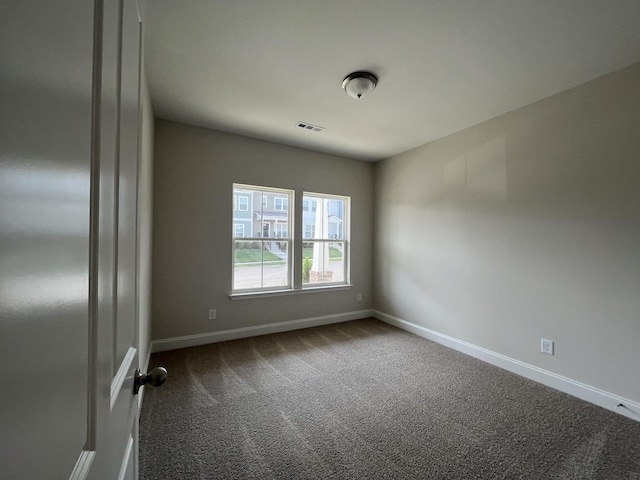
<point>282,293</point>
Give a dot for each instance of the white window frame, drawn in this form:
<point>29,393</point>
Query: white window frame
<point>265,201</point>
<point>295,240</point>
<point>289,196</point>
<point>346,231</point>
<point>240,198</point>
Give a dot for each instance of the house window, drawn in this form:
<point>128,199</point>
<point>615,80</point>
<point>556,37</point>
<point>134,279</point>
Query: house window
<point>238,230</point>
<point>325,249</point>
<point>280,230</point>
<point>262,262</point>
<point>281,203</point>
<point>308,230</point>
<point>243,203</point>
<point>308,206</point>
<point>265,201</point>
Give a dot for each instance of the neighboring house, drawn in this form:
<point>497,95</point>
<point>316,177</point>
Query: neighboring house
<point>242,213</point>
<point>259,214</point>
<point>270,214</point>
<point>264,214</point>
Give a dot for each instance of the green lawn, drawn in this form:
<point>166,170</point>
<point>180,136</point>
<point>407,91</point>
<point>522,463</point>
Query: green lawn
<point>248,255</point>
<point>334,253</point>
<point>251,255</point>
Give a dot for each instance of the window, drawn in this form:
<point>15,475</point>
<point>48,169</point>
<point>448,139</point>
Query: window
<point>308,206</point>
<point>325,249</point>
<point>308,230</point>
<point>262,262</point>
<point>238,230</point>
<point>281,203</point>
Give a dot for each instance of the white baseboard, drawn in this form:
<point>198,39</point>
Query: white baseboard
<point>607,400</point>
<point>244,332</point>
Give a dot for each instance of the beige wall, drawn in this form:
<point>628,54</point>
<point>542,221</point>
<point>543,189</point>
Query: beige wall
<point>194,169</point>
<point>522,227</point>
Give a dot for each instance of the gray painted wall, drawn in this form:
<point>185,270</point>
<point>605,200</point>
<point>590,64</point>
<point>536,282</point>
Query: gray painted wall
<point>528,226</point>
<point>194,169</point>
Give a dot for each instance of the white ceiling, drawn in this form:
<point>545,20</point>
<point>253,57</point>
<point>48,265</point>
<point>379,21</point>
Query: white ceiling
<point>257,67</point>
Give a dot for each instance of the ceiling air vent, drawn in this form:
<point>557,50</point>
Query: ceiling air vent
<point>310,127</point>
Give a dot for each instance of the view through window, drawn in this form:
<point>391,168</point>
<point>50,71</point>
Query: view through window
<point>263,239</point>
<point>324,247</point>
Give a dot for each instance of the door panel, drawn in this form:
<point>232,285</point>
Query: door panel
<point>128,184</point>
<point>45,166</point>
<point>118,347</point>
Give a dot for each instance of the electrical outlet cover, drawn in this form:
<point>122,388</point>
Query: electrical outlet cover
<point>546,346</point>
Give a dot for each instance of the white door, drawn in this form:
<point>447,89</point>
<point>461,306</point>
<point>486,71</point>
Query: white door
<point>117,350</point>
<point>69,147</point>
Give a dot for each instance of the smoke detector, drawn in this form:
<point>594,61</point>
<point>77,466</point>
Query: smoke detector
<point>358,84</point>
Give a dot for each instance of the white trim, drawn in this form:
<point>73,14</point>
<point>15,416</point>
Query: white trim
<point>583,391</point>
<point>118,379</point>
<point>125,459</point>
<point>83,465</point>
<point>245,332</point>
<point>322,287</point>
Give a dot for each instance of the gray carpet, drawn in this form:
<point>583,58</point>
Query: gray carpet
<point>364,400</point>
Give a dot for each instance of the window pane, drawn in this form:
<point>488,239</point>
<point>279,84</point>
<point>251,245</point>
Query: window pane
<point>325,219</point>
<point>262,237</point>
<point>325,239</point>
<point>275,270</point>
<point>335,215</point>
<point>247,265</point>
<point>323,262</point>
<point>260,264</point>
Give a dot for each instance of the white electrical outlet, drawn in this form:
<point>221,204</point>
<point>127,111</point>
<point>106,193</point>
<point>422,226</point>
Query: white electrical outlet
<point>359,297</point>
<point>546,346</point>
<point>212,314</point>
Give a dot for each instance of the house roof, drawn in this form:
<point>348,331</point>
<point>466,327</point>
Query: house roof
<point>268,215</point>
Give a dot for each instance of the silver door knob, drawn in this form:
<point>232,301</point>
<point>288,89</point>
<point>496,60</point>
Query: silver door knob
<point>156,377</point>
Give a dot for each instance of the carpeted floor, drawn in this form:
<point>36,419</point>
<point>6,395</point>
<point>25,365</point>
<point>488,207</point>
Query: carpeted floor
<point>364,400</point>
